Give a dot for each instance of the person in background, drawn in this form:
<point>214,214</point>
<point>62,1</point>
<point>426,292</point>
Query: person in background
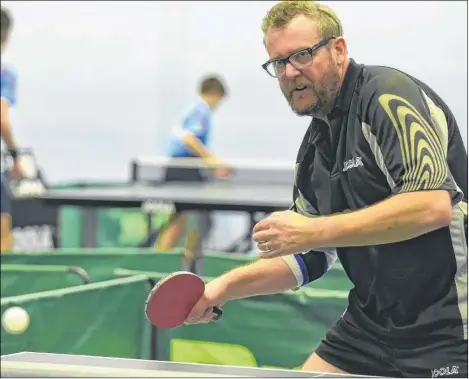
<point>8,99</point>
<point>190,140</point>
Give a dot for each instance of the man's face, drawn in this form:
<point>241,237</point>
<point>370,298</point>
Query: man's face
<point>309,91</point>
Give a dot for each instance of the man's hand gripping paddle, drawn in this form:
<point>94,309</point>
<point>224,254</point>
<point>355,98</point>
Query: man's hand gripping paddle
<point>172,299</point>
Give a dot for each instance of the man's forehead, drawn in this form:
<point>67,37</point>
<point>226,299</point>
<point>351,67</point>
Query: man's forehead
<point>300,33</point>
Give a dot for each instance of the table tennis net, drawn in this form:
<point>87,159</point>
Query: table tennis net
<point>244,171</point>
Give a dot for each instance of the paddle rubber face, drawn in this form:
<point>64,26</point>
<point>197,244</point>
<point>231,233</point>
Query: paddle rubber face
<point>172,299</point>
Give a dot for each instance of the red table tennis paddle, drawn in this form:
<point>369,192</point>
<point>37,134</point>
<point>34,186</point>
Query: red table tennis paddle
<point>171,300</point>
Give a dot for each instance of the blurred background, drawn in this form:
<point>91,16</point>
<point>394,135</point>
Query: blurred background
<point>90,71</point>
<point>100,83</point>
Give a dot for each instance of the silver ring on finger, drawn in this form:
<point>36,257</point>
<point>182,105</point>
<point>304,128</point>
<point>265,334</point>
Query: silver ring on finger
<point>266,248</point>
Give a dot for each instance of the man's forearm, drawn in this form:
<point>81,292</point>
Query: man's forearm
<point>258,278</point>
<point>396,219</point>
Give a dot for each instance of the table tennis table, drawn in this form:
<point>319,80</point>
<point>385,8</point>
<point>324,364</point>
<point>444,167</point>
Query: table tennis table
<point>253,188</point>
<point>28,364</point>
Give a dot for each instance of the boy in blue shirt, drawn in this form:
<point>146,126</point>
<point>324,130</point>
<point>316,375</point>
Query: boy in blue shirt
<point>190,139</point>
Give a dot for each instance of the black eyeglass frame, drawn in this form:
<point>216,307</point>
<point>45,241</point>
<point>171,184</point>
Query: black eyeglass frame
<point>286,60</point>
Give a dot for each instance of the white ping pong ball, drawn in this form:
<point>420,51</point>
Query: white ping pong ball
<point>15,320</point>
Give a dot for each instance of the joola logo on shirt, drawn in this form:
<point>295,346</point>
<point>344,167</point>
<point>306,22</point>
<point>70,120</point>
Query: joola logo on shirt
<point>352,163</point>
<point>445,371</point>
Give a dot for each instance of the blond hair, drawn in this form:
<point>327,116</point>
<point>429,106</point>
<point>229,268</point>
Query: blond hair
<point>280,15</point>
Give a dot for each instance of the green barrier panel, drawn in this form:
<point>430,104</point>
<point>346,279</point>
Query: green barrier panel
<point>122,227</point>
<point>71,218</point>
<point>215,264</point>
<point>264,331</point>
<point>117,227</point>
<point>22,279</point>
<point>105,319</point>
<point>70,227</point>
<point>100,263</point>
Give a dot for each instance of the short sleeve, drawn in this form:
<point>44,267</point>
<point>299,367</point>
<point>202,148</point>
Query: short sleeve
<point>408,135</point>
<point>198,123</point>
<point>8,86</point>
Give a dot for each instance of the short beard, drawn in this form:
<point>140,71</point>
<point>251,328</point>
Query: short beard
<point>320,107</point>
<point>325,98</point>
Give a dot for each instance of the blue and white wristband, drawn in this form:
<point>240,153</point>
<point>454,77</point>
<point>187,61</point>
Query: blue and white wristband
<point>298,267</point>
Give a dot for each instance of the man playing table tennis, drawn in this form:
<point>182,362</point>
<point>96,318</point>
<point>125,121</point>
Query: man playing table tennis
<point>381,181</point>
<point>8,99</point>
<point>191,139</point>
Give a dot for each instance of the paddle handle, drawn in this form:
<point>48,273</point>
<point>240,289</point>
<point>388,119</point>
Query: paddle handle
<point>218,313</point>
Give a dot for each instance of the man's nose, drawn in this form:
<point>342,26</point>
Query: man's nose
<point>291,72</point>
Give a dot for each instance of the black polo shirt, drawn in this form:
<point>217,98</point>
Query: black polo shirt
<point>387,134</point>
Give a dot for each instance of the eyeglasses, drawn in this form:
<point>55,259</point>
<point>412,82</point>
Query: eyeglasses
<point>299,59</point>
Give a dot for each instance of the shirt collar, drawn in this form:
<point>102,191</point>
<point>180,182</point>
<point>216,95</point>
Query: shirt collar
<point>344,98</point>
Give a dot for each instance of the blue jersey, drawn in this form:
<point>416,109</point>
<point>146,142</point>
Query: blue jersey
<point>8,93</point>
<point>8,82</point>
<point>198,121</point>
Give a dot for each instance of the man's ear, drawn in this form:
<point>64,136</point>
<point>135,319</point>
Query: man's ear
<point>340,49</point>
